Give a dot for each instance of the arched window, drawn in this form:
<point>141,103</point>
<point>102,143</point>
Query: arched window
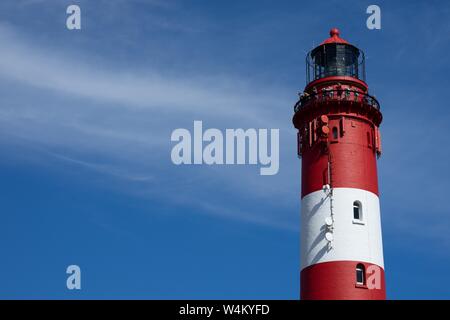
<point>335,132</point>
<point>360,274</point>
<point>357,210</point>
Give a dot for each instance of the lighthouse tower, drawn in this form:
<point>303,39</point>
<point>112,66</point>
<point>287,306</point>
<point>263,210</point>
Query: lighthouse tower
<point>339,143</point>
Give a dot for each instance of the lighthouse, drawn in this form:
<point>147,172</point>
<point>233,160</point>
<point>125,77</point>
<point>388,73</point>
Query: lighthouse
<point>339,144</point>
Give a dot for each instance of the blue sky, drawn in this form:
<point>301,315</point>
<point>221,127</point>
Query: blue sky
<point>85,124</point>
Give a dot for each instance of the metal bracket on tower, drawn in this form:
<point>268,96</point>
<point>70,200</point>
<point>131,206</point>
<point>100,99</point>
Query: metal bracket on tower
<point>329,221</point>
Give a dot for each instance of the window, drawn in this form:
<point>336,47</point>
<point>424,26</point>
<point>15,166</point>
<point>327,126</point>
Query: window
<point>360,276</point>
<point>357,210</point>
<point>335,133</point>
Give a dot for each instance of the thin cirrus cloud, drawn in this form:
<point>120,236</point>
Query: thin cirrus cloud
<point>76,108</point>
<point>45,69</point>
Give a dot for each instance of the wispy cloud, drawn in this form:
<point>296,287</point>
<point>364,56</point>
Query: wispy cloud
<point>77,108</point>
<point>66,74</point>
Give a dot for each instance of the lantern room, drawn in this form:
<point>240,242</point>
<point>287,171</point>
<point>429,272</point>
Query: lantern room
<point>335,57</point>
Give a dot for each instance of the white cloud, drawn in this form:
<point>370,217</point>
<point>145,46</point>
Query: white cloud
<point>67,74</point>
<point>69,107</point>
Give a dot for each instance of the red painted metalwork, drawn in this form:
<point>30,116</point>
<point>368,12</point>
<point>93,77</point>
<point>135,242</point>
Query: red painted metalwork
<point>323,82</point>
<point>337,281</point>
<point>334,37</point>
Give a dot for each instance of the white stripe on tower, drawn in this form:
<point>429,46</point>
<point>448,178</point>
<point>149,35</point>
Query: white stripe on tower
<point>353,239</point>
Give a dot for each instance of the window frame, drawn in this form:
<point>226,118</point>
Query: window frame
<point>360,219</point>
<point>360,270</point>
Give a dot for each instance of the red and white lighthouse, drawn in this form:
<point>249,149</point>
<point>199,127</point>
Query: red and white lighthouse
<point>339,142</point>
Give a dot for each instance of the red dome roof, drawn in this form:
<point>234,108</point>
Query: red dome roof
<point>334,37</point>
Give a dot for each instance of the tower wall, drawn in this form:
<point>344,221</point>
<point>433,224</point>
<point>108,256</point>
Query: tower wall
<point>339,142</point>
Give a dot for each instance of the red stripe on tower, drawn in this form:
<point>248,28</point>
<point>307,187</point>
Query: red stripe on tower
<point>339,142</point>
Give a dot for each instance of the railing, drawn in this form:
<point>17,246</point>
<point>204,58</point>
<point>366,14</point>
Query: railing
<point>334,95</point>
